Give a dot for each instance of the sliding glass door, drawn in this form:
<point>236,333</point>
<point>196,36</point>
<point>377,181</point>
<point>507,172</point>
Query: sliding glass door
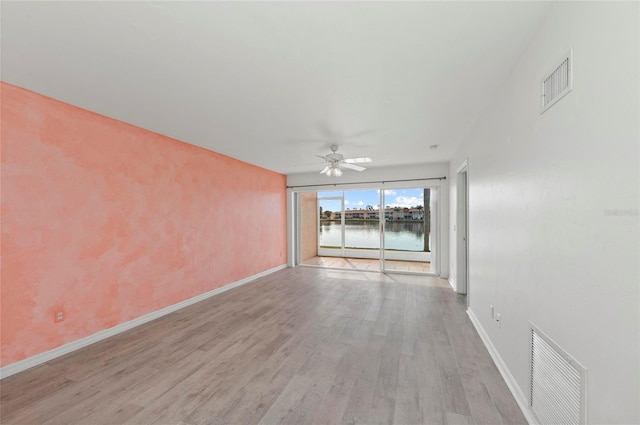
<point>349,229</point>
<point>387,230</point>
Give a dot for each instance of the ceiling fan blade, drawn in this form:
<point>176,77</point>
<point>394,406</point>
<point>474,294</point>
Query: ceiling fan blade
<point>358,160</point>
<point>352,167</point>
<point>325,170</point>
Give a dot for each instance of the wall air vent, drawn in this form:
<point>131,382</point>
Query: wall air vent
<point>558,383</point>
<point>557,83</point>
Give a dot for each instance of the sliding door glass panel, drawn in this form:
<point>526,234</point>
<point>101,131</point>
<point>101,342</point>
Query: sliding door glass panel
<point>362,227</point>
<point>407,236</point>
<point>330,229</point>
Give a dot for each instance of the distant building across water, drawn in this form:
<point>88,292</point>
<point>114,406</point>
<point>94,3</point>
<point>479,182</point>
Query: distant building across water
<point>414,213</point>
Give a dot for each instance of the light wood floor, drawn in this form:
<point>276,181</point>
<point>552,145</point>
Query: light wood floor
<point>300,346</point>
<point>368,264</point>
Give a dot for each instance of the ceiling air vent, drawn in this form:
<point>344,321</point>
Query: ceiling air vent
<point>557,83</point>
<point>558,383</point>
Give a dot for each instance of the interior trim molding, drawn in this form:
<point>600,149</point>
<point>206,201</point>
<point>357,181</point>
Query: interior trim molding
<point>517,393</point>
<point>43,357</point>
<point>463,166</point>
<point>452,283</point>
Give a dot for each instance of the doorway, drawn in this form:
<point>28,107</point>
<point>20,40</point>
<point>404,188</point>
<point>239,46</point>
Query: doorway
<point>390,230</point>
<point>462,230</point>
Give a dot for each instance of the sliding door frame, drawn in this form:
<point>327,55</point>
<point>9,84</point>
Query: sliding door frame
<point>436,255</point>
<point>434,231</point>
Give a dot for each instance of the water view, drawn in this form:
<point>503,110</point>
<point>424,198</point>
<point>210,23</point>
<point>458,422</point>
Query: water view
<point>406,236</point>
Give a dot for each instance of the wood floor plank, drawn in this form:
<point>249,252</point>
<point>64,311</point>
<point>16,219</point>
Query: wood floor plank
<point>366,374</point>
<point>407,401</point>
<point>383,403</point>
<point>409,332</point>
<point>300,346</point>
<point>430,388</point>
<point>333,408</point>
<point>13,398</point>
<point>457,419</point>
<point>288,399</point>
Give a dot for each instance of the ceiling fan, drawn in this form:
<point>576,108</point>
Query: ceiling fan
<point>336,162</point>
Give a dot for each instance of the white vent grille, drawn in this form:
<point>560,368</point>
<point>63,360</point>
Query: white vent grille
<point>557,83</point>
<point>558,383</point>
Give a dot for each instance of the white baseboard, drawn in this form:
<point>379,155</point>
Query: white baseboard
<point>32,361</point>
<point>452,283</point>
<point>515,389</point>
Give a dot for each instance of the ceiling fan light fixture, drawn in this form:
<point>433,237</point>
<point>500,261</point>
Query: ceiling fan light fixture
<point>336,162</point>
<point>334,171</point>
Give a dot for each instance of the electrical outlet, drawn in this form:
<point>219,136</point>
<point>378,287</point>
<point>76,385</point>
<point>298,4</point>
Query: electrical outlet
<point>499,320</point>
<point>492,311</point>
<point>59,316</point>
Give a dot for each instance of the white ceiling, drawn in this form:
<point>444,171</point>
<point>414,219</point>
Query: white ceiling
<point>273,83</point>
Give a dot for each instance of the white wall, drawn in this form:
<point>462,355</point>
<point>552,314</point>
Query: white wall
<point>386,174</point>
<point>543,245</point>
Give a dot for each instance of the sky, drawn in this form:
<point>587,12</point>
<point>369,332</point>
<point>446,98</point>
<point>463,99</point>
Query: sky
<point>359,199</point>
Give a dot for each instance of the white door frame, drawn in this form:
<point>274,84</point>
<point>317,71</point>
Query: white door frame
<point>462,229</point>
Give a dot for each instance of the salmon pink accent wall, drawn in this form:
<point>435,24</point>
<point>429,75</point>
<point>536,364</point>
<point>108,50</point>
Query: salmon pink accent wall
<point>108,222</point>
